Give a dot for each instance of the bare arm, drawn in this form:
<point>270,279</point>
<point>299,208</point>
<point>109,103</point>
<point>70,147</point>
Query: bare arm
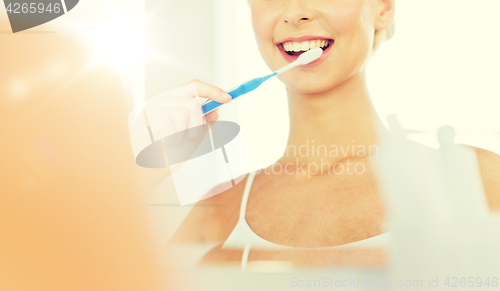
<point>211,220</point>
<point>191,229</point>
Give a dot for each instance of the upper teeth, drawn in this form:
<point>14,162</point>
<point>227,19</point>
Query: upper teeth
<point>304,46</point>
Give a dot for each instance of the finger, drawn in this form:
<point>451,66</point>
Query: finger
<point>212,116</point>
<point>211,92</point>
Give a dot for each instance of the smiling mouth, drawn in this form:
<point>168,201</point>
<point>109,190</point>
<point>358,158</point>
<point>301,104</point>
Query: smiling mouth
<point>298,48</point>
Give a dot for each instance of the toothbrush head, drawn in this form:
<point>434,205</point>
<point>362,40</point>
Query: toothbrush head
<point>309,56</point>
<point>303,59</point>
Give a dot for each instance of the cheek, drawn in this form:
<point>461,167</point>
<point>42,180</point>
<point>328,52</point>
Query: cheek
<point>347,18</point>
<point>351,25</point>
<point>262,23</point>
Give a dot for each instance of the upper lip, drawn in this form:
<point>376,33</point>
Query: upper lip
<point>302,38</point>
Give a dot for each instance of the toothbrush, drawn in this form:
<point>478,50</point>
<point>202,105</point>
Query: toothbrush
<point>251,85</point>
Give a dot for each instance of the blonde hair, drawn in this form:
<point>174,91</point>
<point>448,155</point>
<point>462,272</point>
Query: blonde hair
<point>383,35</point>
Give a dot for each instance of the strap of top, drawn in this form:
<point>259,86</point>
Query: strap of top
<point>246,193</point>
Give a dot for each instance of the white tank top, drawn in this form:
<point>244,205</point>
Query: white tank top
<point>243,237</point>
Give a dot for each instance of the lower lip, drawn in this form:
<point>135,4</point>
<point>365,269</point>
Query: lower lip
<point>290,58</point>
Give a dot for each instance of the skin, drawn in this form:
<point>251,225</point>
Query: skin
<point>329,103</point>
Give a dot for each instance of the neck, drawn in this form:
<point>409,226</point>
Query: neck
<point>333,126</point>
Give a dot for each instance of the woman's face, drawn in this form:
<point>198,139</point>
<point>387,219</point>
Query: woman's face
<point>345,27</point>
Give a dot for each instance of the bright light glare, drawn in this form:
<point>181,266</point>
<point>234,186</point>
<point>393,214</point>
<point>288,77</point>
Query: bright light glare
<point>118,41</point>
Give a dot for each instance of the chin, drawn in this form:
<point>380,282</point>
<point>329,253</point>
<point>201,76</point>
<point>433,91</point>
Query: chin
<point>309,85</point>
<point>307,88</point>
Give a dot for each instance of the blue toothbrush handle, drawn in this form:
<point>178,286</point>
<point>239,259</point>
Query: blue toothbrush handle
<point>242,89</point>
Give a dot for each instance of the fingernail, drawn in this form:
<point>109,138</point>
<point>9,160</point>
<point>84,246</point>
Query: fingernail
<point>226,96</point>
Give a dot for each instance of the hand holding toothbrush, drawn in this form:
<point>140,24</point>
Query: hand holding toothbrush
<point>171,114</point>
<point>251,85</point>
<point>170,119</point>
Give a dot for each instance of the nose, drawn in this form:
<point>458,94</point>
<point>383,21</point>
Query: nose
<point>297,12</point>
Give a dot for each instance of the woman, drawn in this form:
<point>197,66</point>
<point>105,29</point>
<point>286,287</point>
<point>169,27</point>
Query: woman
<point>329,103</point>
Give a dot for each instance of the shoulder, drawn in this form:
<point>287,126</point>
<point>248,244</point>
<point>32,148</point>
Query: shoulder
<point>212,219</point>
<point>489,166</point>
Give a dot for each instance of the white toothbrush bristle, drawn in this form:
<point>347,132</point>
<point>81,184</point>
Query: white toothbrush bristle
<point>310,56</point>
<point>303,59</point>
